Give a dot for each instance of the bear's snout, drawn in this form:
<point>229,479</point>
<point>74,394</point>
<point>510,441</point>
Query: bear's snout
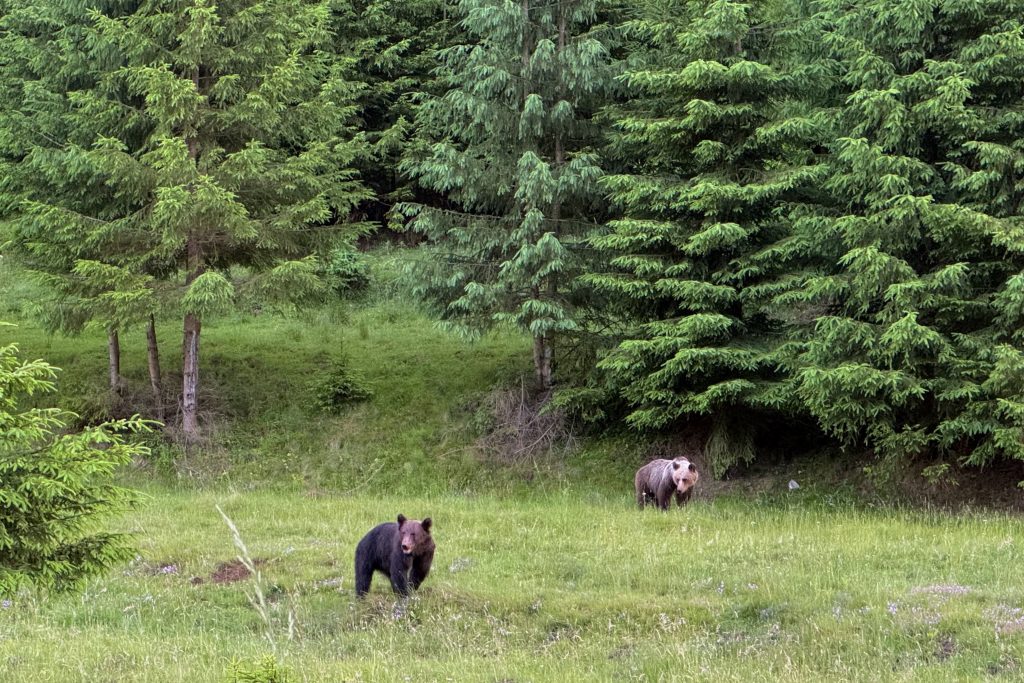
<point>686,476</point>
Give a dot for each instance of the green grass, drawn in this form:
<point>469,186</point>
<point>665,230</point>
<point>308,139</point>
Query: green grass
<point>255,375</point>
<point>546,588</point>
<point>414,436</point>
<point>542,574</point>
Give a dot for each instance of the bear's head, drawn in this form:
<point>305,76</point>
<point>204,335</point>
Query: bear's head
<point>414,534</point>
<point>684,474</point>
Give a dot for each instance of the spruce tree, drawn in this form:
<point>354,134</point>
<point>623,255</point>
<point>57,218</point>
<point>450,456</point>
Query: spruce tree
<point>56,486</point>
<point>717,143</point>
<point>58,211</point>
<point>391,49</point>
<point>246,152</point>
<point>512,152</point>
<point>920,351</point>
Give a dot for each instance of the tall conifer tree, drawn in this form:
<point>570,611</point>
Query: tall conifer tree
<point>249,146</point>
<point>245,148</point>
<point>54,200</point>
<point>391,47</point>
<point>921,350</point>
<point>718,149</point>
<point>513,155</point>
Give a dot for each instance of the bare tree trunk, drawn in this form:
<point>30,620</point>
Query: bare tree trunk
<point>190,378</point>
<point>192,325</point>
<point>542,354</point>
<point>153,357</point>
<point>190,352</point>
<point>114,357</point>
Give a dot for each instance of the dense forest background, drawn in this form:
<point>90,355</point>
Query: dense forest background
<point>745,219</point>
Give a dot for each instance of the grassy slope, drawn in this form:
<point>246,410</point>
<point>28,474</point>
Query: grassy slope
<point>255,376</point>
<point>555,579</point>
<point>414,436</point>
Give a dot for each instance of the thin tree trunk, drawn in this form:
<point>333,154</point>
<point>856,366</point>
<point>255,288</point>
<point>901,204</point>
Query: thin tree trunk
<point>114,357</point>
<point>542,354</point>
<point>192,325</point>
<point>190,351</point>
<point>559,145</point>
<point>541,345</point>
<point>190,378</point>
<point>153,357</point>
<point>526,49</point>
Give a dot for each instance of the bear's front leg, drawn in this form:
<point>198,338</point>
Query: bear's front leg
<point>420,569</point>
<point>400,574</point>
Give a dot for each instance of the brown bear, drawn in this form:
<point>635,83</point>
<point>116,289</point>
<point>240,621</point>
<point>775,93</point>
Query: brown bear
<point>660,478</point>
<point>403,552</point>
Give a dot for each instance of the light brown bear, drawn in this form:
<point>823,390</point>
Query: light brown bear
<point>660,478</point>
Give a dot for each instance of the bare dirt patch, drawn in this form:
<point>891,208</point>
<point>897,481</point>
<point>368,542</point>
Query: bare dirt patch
<point>233,570</point>
<point>993,486</point>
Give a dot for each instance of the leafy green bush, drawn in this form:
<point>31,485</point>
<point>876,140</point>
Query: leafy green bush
<point>346,271</point>
<point>339,386</point>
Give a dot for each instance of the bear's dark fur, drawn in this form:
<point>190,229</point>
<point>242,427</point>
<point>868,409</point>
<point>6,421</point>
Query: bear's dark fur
<point>402,551</point>
<point>660,478</point>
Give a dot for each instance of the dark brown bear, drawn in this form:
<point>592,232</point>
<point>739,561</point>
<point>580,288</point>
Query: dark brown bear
<point>402,551</point>
<point>660,478</point>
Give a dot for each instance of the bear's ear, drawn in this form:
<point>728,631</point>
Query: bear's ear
<point>401,521</point>
<point>693,468</point>
<point>675,464</point>
<point>426,524</point>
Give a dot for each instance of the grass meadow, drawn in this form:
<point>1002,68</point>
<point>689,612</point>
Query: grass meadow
<point>553,587</point>
<point>544,571</point>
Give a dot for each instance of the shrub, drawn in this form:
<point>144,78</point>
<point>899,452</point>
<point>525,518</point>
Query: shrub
<point>346,271</point>
<point>339,386</point>
<point>55,487</point>
<point>516,426</point>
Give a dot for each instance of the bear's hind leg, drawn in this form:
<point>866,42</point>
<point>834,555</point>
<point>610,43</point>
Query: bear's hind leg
<point>363,579</point>
<point>641,497</point>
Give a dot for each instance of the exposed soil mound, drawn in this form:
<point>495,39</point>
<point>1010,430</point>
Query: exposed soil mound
<point>229,572</point>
